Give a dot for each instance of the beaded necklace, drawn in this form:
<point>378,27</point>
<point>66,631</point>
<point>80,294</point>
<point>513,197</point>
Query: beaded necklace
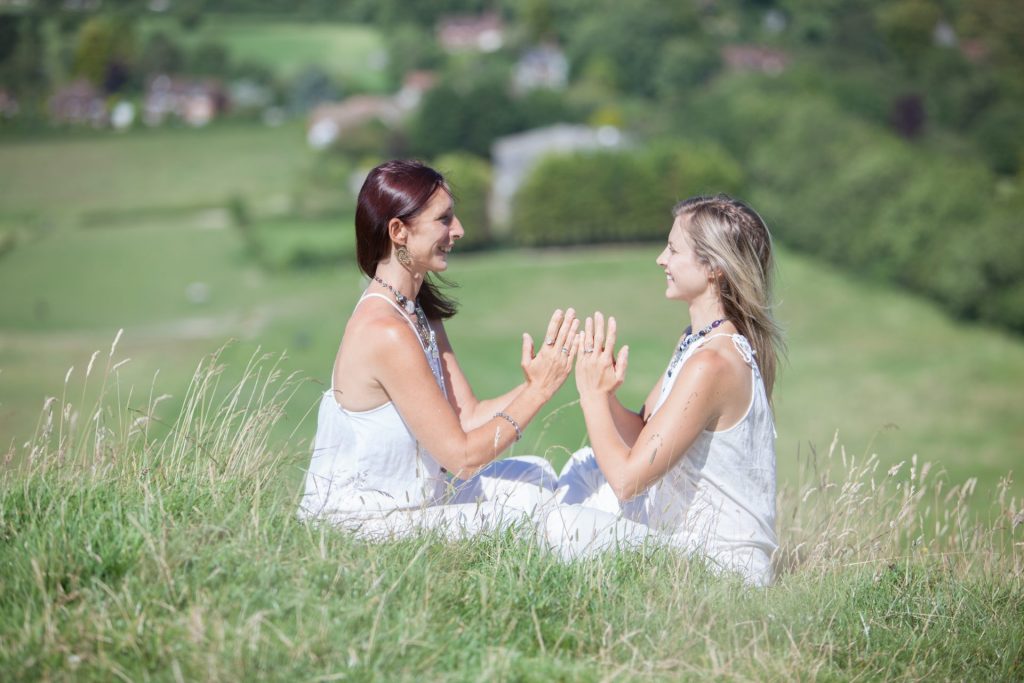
<point>411,308</point>
<point>688,339</point>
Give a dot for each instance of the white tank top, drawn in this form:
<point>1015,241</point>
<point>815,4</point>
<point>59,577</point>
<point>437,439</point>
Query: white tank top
<point>719,498</point>
<point>367,462</point>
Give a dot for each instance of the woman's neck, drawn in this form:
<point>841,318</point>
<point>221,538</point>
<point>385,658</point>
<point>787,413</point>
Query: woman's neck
<point>703,313</point>
<point>403,280</point>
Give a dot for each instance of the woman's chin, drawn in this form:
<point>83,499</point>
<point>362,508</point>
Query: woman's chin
<point>673,294</point>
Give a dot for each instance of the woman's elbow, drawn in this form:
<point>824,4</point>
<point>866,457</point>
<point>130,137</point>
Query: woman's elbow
<point>464,463</point>
<point>626,489</point>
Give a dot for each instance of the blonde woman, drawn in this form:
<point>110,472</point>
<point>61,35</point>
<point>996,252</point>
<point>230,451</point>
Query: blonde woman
<point>695,468</point>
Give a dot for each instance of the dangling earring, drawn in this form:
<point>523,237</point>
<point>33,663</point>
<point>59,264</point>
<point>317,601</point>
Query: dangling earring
<point>402,254</point>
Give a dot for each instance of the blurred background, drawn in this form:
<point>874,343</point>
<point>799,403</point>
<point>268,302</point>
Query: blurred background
<point>186,170</point>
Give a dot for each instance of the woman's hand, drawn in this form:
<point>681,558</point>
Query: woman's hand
<point>547,370</point>
<point>597,370</point>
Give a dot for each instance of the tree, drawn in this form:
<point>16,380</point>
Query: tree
<point>470,180</point>
<point>161,55</point>
<point>105,47</point>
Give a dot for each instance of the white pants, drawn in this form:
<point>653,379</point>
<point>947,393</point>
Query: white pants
<point>588,518</point>
<point>505,494</point>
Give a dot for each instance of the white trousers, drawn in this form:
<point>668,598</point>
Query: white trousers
<point>588,518</point>
<point>509,493</point>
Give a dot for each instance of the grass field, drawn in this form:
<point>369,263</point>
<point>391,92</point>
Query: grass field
<point>82,178</point>
<point>350,53</point>
<point>131,556</point>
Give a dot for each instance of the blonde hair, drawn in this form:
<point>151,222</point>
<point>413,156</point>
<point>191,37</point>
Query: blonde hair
<point>731,239</point>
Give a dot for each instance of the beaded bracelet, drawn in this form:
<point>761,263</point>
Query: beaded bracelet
<point>515,425</point>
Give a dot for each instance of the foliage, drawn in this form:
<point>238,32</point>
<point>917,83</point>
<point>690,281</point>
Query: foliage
<point>161,55</point>
<point>105,51</point>
<point>592,197</point>
<point>470,180</point>
<point>468,115</point>
<point>931,220</point>
<point>609,36</point>
<point>22,67</point>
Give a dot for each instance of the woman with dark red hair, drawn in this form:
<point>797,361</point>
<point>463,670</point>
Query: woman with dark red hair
<point>402,442</point>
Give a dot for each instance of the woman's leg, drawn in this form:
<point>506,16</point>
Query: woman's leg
<point>522,483</point>
<point>581,482</point>
<point>575,531</point>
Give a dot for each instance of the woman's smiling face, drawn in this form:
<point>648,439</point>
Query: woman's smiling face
<point>433,232</point>
<point>686,276</point>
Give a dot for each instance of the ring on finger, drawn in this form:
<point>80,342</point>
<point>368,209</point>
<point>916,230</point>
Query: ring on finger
<point>550,341</point>
<point>588,349</point>
<point>565,350</point>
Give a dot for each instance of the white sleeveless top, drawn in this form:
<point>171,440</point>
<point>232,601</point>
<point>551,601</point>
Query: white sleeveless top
<point>719,498</point>
<point>367,462</point>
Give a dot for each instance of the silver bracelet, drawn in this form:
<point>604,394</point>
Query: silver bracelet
<point>512,421</point>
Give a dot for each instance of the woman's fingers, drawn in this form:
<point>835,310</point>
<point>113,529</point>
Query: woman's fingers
<point>527,349</point>
<point>573,340</point>
<point>620,364</point>
<point>588,335</point>
<point>562,337</point>
<point>553,325</point>
<point>598,332</point>
<point>574,348</point>
<point>609,341</point>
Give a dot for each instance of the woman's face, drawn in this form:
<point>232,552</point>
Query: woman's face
<point>686,277</point>
<point>432,233</point>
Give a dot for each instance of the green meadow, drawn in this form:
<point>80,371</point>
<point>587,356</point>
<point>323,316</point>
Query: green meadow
<point>152,538</point>
<point>345,51</point>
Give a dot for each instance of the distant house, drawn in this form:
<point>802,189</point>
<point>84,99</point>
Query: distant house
<point>414,86</point>
<point>974,51</point>
<point>196,102</point>
<point>755,58</point>
<point>79,102</point>
<point>544,66</point>
<point>481,33</point>
<point>514,156</point>
<point>329,121</point>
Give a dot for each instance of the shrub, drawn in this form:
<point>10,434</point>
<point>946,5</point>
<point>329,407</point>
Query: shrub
<point>470,180</point>
<point>830,184</point>
<point>608,196</point>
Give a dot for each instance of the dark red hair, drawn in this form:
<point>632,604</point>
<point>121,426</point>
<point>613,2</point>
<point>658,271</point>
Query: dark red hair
<point>398,189</point>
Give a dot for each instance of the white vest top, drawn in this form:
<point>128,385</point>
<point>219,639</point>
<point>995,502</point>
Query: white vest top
<point>719,498</point>
<point>367,462</point>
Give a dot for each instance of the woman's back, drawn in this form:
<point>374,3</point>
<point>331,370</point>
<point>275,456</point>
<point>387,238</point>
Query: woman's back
<point>367,461</point>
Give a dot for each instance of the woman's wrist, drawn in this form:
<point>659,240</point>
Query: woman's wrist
<point>593,397</point>
<point>536,391</point>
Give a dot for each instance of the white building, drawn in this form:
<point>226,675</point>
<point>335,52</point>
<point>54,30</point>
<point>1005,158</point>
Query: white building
<point>514,156</point>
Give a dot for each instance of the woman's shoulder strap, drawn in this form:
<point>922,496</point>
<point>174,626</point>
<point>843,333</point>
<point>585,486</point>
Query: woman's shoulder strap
<point>743,347</point>
<point>394,305</point>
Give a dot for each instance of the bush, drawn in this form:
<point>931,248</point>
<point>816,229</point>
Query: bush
<point>833,185</point>
<point>470,180</point>
<point>606,196</point>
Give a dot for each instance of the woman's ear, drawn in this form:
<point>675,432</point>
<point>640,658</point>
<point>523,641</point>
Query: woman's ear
<point>398,231</point>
